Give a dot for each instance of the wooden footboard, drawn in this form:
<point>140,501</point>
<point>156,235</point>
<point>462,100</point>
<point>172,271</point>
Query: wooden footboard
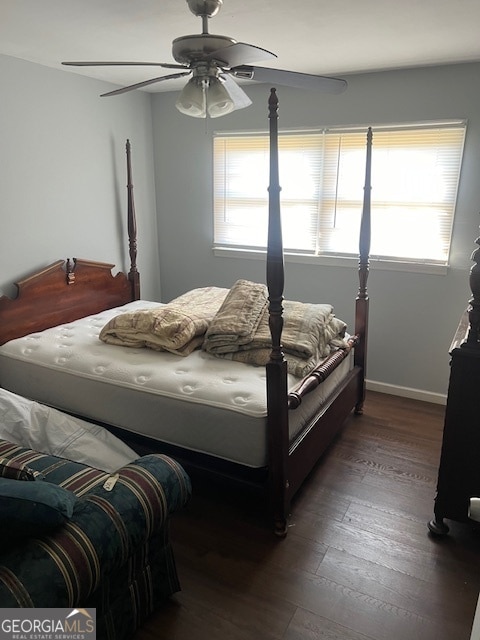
<point>320,373</point>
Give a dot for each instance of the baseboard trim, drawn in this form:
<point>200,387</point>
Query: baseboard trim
<point>406,392</point>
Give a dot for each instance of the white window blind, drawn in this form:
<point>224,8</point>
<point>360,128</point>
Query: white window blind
<point>415,172</point>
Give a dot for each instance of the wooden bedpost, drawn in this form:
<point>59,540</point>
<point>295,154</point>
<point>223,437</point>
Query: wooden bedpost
<point>278,436</point>
<point>133,274</point>
<point>362,301</point>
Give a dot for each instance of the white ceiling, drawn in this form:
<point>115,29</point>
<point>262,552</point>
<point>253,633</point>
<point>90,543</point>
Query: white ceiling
<point>313,36</point>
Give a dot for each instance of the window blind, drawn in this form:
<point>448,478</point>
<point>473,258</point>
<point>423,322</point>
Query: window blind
<point>415,173</point>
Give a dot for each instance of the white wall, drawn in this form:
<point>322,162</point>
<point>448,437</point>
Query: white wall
<point>413,315</point>
<point>63,173</point>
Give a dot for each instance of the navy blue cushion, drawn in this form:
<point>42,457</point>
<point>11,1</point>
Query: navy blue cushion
<point>33,508</point>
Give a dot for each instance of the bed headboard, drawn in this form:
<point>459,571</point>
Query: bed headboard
<point>70,289</point>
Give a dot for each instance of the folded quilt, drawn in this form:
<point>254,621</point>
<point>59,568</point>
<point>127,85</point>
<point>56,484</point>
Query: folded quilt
<point>177,327</point>
<point>236,322</point>
<point>310,331</point>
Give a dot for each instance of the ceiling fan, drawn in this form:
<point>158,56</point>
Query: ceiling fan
<point>214,61</point>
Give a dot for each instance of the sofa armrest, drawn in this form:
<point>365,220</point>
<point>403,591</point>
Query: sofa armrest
<point>156,478</point>
<point>107,527</point>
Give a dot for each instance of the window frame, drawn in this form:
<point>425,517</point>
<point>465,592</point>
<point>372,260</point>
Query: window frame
<point>342,257</point>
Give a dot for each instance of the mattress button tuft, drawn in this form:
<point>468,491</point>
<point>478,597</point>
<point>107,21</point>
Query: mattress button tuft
<point>188,389</point>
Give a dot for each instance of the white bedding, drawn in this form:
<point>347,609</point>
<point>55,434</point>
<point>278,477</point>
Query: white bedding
<point>46,430</point>
<point>199,402</point>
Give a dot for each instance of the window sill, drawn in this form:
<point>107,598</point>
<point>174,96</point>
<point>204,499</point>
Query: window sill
<point>335,261</point>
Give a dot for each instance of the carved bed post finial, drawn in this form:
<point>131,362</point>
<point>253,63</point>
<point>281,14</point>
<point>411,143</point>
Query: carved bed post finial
<point>70,270</point>
<point>133,274</point>
<point>473,337</point>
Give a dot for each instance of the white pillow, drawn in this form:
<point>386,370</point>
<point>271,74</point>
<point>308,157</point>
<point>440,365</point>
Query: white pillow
<point>35,426</point>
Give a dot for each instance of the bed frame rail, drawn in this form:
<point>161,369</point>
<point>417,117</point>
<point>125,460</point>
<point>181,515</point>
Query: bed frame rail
<point>320,373</point>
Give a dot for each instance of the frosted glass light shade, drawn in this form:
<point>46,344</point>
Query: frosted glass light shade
<point>219,102</point>
<point>192,99</point>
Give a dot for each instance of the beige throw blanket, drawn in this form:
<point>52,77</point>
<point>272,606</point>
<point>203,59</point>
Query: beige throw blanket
<point>178,326</point>
<point>231,324</point>
<point>240,330</point>
<point>236,322</point>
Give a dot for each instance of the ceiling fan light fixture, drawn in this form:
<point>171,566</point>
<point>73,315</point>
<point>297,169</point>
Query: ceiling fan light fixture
<point>215,61</point>
<point>192,100</point>
<point>219,101</point>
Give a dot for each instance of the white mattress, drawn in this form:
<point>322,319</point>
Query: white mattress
<point>200,402</point>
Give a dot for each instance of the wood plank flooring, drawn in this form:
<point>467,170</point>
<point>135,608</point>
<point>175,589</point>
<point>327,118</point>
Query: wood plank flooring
<point>358,562</point>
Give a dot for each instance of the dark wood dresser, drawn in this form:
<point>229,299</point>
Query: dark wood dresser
<point>459,470</point>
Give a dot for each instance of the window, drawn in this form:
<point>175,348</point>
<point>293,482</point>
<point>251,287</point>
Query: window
<point>415,171</point>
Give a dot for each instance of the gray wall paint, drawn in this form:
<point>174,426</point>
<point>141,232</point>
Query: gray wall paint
<point>413,315</point>
<point>63,173</point>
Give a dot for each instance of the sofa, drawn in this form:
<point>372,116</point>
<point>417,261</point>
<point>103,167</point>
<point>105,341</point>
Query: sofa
<point>76,536</point>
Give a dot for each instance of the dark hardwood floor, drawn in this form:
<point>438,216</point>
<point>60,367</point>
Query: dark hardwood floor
<point>358,562</point>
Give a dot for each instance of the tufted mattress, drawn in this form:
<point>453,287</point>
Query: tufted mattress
<point>199,402</point>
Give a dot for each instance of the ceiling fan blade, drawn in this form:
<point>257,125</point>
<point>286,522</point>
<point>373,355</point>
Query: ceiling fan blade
<point>145,83</point>
<point>238,95</point>
<point>240,53</point>
<point>124,64</point>
<point>290,78</point>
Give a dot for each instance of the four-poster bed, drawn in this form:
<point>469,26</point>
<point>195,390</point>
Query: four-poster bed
<point>291,421</point>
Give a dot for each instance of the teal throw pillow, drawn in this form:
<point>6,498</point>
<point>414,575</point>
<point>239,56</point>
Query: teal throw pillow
<point>33,508</point>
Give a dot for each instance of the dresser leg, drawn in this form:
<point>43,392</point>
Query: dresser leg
<point>438,527</point>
